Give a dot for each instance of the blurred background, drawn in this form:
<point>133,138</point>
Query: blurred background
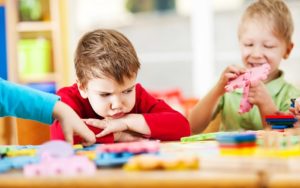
<point>183,45</point>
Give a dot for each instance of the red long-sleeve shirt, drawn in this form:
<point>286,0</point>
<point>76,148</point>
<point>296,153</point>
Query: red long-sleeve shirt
<point>165,123</point>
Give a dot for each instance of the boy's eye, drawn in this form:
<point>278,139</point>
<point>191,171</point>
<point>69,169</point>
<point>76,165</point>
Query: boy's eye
<point>248,44</point>
<point>268,46</point>
<point>128,91</point>
<point>105,94</point>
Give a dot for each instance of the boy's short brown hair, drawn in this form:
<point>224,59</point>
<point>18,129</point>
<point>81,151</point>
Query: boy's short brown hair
<point>105,52</point>
<point>275,12</point>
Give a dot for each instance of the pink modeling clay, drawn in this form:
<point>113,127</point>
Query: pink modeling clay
<point>251,76</point>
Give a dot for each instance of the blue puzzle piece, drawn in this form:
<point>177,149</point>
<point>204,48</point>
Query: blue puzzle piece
<point>291,120</point>
<point>112,159</point>
<point>5,165</point>
<point>90,148</point>
<point>243,137</point>
<point>281,126</point>
<point>21,161</point>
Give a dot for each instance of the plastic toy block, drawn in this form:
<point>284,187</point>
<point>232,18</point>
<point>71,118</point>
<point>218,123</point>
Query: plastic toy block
<point>281,126</point>
<point>5,165</point>
<point>90,154</point>
<point>57,158</point>
<point>67,166</point>
<point>20,162</point>
<point>132,147</point>
<point>200,137</point>
<point>21,152</point>
<point>279,153</point>
<point>293,103</point>
<point>239,145</point>
<point>246,151</point>
<point>282,122</point>
<point>244,81</point>
<point>56,148</point>
<point>112,159</point>
<point>90,148</point>
<point>5,149</point>
<point>236,138</point>
<point>279,117</point>
<point>162,162</point>
<point>77,146</point>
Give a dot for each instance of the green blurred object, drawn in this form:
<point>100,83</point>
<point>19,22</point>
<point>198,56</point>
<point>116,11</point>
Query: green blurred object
<point>34,56</point>
<point>30,10</point>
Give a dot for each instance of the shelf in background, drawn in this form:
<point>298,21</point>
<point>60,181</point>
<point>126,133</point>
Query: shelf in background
<point>34,26</point>
<point>50,77</point>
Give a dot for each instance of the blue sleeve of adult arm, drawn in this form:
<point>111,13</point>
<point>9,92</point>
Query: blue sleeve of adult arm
<point>24,102</point>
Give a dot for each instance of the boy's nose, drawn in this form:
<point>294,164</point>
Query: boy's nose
<point>256,52</point>
<point>116,103</point>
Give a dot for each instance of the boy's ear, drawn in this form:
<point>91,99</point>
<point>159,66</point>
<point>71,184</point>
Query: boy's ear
<point>288,50</point>
<point>82,90</point>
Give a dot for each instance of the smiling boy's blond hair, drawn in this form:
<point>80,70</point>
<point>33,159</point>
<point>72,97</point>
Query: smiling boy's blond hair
<point>275,12</point>
<point>105,52</point>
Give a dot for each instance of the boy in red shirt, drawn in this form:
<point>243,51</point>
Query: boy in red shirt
<point>106,94</point>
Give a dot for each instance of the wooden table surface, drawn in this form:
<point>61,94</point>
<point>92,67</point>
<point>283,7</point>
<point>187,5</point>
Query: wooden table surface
<point>121,178</point>
<point>117,177</point>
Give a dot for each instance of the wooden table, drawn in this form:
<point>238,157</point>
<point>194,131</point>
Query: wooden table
<point>286,179</point>
<point>116,177</point>
<point>120,178</point>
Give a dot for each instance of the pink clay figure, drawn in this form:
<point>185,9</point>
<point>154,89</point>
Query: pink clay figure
<point>244,81</point>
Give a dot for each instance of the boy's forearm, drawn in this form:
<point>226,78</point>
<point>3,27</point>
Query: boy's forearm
<point>59,112</point>
<point>201,114</point>
<point>137,123</point>
<point>267,110</point>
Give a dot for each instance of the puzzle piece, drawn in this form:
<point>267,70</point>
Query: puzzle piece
<point>236,137</point>
<point>131,147</point>
<point>67,166</point>
<point>112,159</point>
<point>5,165</point>
<point>21,161</point>
<point>118,153</point>
<point>162,162</point>
<point>56,148</point>
<point>251,76</point>
<point>21,152</point>
<point>201,137</point>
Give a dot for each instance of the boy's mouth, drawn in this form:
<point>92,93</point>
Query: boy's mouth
<point>255,64</point>
<point>118,115</point>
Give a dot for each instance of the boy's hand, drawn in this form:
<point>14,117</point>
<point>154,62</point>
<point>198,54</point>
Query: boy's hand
<point>259,95</point>
<point>230,73</point>
<point>296,109</point>
<point>108,125</point>
<point>71,122</point>
<point>127,136</point>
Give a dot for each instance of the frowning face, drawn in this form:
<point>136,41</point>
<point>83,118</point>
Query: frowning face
<point>108,98</point>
